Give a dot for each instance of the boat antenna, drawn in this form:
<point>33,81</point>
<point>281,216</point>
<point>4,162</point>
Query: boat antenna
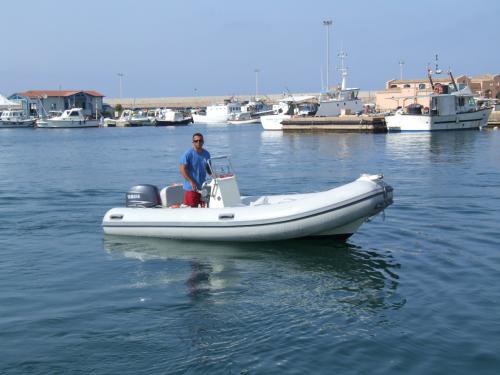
<point>437,70</point>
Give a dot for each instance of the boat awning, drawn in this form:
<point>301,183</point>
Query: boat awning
<point>6,103</point>
<point>299,99</point>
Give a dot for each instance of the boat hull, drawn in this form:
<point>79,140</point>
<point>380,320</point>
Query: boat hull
<point>185,121</point>
<point>204,119</point>
<point>17,124</point>
<point>244,122</point>
<point>337,212</point>
<point>67,124</point>
<point>425,123</point>
<point>273,122</point>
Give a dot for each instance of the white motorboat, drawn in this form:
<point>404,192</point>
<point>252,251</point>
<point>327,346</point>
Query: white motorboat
<point>70,118</point>
<point>128,118</point>
<point>338,212</point>
<point>286,108</point>
<point>251,112</point>
<point>243,118</point>
<point>449,109</point>
<point>16,119</point>
<point>216,113</point>
<point>169,117</point>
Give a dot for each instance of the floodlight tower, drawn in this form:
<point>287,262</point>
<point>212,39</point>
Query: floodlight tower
<point>327,23</point>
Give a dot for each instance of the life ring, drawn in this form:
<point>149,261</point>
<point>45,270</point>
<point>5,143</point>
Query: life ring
<point>438,89</point>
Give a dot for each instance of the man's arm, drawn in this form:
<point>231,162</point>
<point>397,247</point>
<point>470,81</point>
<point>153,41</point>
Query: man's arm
<point>185,174</point>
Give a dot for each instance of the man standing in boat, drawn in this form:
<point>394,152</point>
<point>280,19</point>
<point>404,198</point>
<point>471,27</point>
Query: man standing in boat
<point>193,168</point>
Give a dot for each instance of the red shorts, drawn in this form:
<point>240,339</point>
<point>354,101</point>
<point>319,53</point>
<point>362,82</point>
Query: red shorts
<point>192,198</point>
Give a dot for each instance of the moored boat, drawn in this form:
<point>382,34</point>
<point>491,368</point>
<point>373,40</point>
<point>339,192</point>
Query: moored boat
<point>70,118</point>
<point>286,108</point>
<point>216,113</point>
<point>128,118</point>
<point>16,119</point>
<point>450,108</point>
<point>169,117</point>
<point>343,100</point>
<point>337,212</point>
<point>243,118</point>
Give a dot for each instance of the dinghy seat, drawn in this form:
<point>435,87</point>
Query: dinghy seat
<point>172,196</point>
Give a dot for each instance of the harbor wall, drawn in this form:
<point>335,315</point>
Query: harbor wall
<point>203,101</point>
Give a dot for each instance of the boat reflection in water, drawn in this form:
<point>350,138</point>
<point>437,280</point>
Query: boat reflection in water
<point>313,274</point>
<point>434,146</point>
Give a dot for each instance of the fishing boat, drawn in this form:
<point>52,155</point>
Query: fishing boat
<point>285,109</point>
<point>128,118</point>
<point>343,100</point>
<point>70,118</point>
<point>450,108</point>
<point>16,119</point>
<point>216,113</point>
<point>169,117</point>
<point>243,118</point>
<point>227,216</point>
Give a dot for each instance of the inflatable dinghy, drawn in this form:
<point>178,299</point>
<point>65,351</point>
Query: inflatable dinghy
<point>338,212</point>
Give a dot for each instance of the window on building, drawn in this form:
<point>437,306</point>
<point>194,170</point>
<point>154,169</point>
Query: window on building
<point>393,86</point>
<point>406,86</point>
<point>421,86</point>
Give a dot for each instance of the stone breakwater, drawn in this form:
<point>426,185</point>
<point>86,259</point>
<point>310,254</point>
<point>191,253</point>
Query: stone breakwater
<point>203,101</point>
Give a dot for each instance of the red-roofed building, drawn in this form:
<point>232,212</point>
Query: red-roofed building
<point>59,100</point>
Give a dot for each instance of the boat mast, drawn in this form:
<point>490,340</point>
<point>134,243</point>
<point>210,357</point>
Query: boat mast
<point>343,69</point>
<point>429,75</point>
<point>453,80</point>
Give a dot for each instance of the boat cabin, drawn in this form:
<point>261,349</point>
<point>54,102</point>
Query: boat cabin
<point>74,113</point>
<point>10,115</point>
<point>221,109</point>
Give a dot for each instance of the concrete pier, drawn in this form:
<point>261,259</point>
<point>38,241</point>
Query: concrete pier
<point>347,123</point>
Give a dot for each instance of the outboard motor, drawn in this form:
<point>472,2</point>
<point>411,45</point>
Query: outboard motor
<point>143,196</point>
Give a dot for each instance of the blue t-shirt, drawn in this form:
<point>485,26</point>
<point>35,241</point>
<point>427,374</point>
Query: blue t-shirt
<point>195,165</point>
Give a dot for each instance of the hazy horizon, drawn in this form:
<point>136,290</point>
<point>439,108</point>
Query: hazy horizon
<point>195,48</point>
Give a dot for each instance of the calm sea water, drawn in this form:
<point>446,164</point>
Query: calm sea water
<point>416,292</point>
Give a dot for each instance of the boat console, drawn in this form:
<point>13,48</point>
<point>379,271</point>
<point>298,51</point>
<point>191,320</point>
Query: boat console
<point>222,190</point>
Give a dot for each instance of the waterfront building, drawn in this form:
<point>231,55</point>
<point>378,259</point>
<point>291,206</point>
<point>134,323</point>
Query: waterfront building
<point>60,100</point>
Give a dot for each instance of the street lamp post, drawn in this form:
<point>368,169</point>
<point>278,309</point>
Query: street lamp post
<point>327,23</point>
<point>401,64</point>
<point>256,82</point>
<point>120,76</point>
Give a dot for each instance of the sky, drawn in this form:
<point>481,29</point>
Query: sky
<point>208,47</point>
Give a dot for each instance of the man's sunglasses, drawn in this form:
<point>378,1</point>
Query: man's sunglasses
<point>197,140</point>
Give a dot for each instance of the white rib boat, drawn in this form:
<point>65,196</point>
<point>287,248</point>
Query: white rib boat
<point>338,212</point>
